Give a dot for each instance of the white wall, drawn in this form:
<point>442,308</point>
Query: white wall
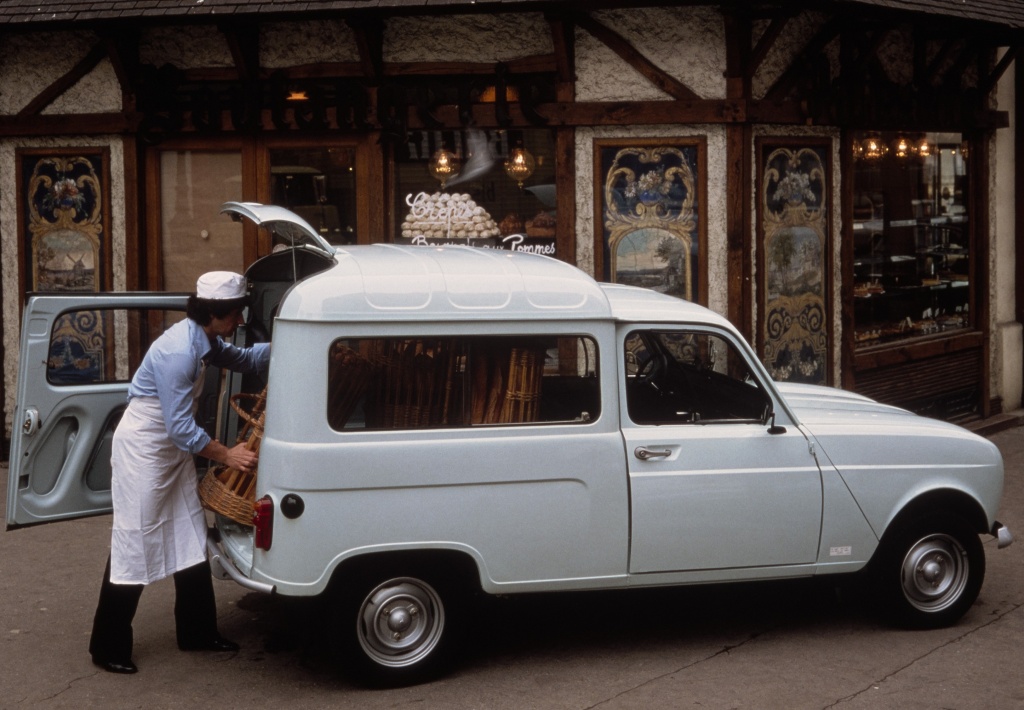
<point>1008,345</point>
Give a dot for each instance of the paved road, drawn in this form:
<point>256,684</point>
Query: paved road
<point>790,645</point>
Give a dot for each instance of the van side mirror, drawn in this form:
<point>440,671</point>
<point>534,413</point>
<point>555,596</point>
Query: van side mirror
<point>775,428</point>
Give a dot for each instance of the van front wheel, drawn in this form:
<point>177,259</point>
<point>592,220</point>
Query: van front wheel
<point>930,572</point>
<point>397,630</point>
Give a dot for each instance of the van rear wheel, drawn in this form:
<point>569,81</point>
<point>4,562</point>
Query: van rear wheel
<point>398,628</point>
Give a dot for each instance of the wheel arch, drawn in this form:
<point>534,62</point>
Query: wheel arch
<point>943,500</point>
<point>458,564</point>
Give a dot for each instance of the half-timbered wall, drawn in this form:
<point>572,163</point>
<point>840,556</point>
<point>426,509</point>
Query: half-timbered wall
<point>674,57</point>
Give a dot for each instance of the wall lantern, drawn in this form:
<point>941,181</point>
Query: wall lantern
<point>520,165</point>
<point>444,166</point>
<point>874,148</point>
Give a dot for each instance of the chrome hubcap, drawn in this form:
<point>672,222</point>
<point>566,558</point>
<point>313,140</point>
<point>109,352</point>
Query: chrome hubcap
<point>400,622</point>
<point>934,572</point>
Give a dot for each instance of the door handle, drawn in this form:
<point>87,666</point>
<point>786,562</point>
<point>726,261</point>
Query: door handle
<point>643,453</point>
<point>31,424</point>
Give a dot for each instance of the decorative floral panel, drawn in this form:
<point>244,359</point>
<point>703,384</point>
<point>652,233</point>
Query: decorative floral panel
<point>649,211</point>
<point>794,255</point>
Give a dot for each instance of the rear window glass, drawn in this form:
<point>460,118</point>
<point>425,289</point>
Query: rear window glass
<point>97,346</point>
<point>410,383</point>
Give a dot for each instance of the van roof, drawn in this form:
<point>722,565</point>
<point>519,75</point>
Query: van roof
<point>418,283</point>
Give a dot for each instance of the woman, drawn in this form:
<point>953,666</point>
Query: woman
<point>159,526</point>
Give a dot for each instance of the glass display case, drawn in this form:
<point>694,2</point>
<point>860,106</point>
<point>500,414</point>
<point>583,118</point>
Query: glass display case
<point>912,245</point>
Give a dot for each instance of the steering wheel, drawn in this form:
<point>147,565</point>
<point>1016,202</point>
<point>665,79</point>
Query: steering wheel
<point>651,372</point>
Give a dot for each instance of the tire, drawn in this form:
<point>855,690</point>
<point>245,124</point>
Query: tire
<point>398,628</point>
<point>929,572</point>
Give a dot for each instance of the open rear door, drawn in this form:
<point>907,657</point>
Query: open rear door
<point>77,355</point>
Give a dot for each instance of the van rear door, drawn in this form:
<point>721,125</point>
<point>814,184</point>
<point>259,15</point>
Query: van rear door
<point>78,352</point>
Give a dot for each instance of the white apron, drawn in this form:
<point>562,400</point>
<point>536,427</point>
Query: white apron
<point>159,523</point>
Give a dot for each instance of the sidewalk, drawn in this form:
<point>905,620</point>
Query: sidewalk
<point>793,645</point>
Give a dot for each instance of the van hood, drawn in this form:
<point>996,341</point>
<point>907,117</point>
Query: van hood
<point>816,404</point>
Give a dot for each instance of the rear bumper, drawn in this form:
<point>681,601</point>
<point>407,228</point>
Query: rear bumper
<point>224,568</point>
<point>1004,538</point>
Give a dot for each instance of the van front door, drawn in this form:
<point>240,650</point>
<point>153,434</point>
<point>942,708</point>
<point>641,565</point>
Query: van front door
<point>712,485</point>
<point>76,358</point>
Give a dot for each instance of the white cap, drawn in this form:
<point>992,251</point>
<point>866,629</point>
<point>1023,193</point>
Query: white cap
<point>220,286</point>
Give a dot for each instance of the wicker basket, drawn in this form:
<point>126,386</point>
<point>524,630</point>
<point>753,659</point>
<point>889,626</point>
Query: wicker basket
<point>229,491</point>
<point>506,384</point>
<point>349,377</point>
<point>522,391</point>
<point>413,383</point>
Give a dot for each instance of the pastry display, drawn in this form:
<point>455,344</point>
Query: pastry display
<point>447,216</point>
<point>543,225</point>
<point>868,289</point>
<point>512,224</point>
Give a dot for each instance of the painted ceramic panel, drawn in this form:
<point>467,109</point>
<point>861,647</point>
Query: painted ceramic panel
<point>63,200</point>
<point>794,228</point>
<point>650,214</point>
<point>64,214</point>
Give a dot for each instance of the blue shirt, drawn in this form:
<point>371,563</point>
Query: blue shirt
<point>171,368</point>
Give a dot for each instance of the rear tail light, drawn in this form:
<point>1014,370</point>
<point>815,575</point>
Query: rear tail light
<point>263,522</point>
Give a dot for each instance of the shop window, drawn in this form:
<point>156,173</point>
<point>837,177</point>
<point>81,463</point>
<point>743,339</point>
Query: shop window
<point>484,188</point>
<point>317,184</point>
<point>414,383</point>
<point>911,235</point>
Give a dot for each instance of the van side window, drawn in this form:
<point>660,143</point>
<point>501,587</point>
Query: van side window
<point>680,377</point>
<point>412,383</point>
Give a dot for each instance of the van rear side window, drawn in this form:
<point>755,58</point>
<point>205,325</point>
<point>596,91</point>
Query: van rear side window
<point>414,383</point>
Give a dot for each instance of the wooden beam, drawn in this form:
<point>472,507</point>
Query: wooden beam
<point>539,64</point>
<point>738,32</point>
<point>960,64</point>
<point>987,84</point>
<point>68,124</point>
<point>766,41</point>
<point>244,44</point>
<point>563,39</point>
<point>789,78</point>
<point>565,195</point>
<point>738,227</point>
<point>931,75</point>
<point>645,67</point>
<point>123,52</point>
<point>369,36</point>
<point>48,95</point>
<point>868,43</point>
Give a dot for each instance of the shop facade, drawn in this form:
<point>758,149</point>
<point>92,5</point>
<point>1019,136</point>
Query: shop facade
<point>839,180</point>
